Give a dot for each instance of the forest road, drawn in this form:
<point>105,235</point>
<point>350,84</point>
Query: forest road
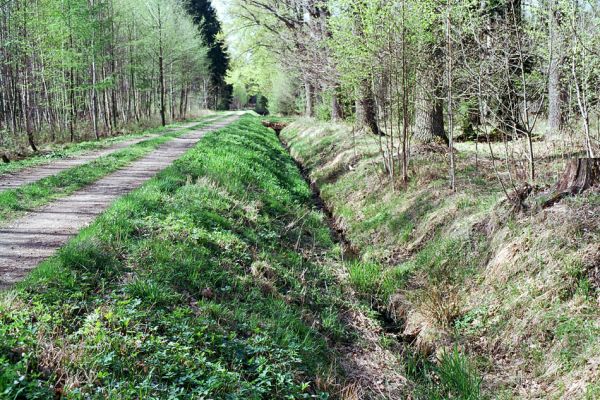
<point>29,240</point>
<point>13,180</point>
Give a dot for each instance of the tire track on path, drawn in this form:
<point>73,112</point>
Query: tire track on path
<point>29,240</point>
<point>14,180</point>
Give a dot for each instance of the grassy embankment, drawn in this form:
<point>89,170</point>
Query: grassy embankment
<point>511,300</point>
<point>213,280</point>
<point>13,202</point>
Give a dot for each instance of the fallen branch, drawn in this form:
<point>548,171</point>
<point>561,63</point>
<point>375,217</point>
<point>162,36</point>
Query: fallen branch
<point>276,126</point>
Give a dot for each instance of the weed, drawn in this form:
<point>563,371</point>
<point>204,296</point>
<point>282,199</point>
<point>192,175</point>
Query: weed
<point>457,376</point>
<point>440,305</point>
<point>365,277</point>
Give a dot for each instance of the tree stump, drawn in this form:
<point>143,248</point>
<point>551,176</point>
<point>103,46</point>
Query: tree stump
<point>276,126</point>
<point>580,175</point>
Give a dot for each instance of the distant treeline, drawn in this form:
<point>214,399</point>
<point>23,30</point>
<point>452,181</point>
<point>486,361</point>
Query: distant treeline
<point>95,65</point>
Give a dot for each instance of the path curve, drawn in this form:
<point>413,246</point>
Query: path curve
<point>13,180</point>
<point>29,240</point>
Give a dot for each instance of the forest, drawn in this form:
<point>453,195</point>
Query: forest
<point>300,199</point>
<point>78,69</point>
<point>417,71</point>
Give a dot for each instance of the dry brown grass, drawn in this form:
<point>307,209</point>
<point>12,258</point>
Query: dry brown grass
<point>531,308</point>
<point>441,305</point>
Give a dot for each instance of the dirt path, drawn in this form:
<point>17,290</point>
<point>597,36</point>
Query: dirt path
<point>13,180</point>
<point>27,241</point>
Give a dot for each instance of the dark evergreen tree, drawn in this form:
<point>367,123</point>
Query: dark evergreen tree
<point>205,16</point>
<point>262,105</point>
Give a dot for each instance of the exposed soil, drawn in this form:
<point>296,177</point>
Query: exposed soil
<point>29,240</point>
<point>13,180</point>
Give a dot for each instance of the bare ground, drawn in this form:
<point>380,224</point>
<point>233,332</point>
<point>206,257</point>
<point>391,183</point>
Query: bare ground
<point>29,240</point>
<point>13,180</point>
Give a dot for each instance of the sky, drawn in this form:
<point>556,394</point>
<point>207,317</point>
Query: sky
<point>221,7</point>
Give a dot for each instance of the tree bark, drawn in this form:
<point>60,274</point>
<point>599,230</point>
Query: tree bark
<point>161,77</point>
<point>580,175</point>
<point>336,107</point>
<point>94,92</point>
<point>310,100</point>
<point>72,110</point>
<point>161,71</point>
<point>555,89</point>
<point>366,113</point>
<point>429,107</point>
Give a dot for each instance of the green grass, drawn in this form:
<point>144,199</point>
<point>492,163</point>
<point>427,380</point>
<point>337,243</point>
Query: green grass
<point>365,277</point>
<point>210,281</point>
<point>15,201</point>
<point>451,377</point>
<point>61,151</point>
<point>376,283</point>
<point>462,268</point>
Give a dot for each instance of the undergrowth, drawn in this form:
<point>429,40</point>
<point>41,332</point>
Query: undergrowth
<point>516,293</point>
<point>451,377</point>
<point>207,282</point>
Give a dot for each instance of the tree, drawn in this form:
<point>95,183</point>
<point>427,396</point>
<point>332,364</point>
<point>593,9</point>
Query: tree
<point>429,108</point>
<point>79,66</point>
<point>556,94</point>
<point>205,18</point>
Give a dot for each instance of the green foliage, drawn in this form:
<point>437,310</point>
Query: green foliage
<point>283,98</point>
<point>255,67</point>
<point>61,151</point>
<point>467,115</point>
<point>205,17</point>
<point>81,56</point>
<point>323,111</point>
<point>451,377</point>
<point>457,376</point>
<point>262,105</point>
<point>472,321</point>
<point>193,286</point>
<point>365,277</point>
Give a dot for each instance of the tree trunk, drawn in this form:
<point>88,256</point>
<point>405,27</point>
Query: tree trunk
<point>555,89</point>
<point>94,92</point>
<point>580,175</point>
<point>163,107</point>
<point>429,107</point>
<point>113,70</point>
<point>310,100</point>
<point>366,113</point>
<point>161,70</point>
<point>336,107</point>
<point>182,103</point>
<point>28,98</point>
<point>72,95</point>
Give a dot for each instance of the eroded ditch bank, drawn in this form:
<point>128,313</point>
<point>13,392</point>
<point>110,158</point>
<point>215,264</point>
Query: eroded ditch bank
<point>447,373</point>
<point>349,253</point>
<point>473,285</point>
